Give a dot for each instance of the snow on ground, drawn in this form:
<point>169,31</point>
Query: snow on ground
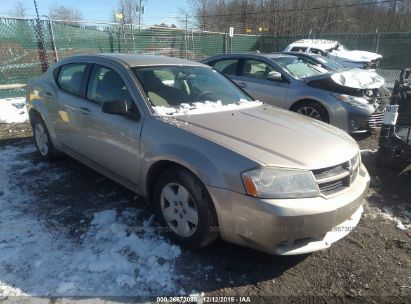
<point>13,110</point>
<point>107,260</point>
<point>367,152</point>
<point>204,107</point>
<point>402,222</point>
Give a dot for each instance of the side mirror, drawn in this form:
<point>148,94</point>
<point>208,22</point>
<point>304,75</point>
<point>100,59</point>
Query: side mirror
<point>274,75</point>
<point>116,107</point>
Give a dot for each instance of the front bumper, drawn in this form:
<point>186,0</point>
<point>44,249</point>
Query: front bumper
<point>289,226</point>
<point>357,120</point>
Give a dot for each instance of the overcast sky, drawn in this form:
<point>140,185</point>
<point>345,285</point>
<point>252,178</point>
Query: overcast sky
<point>156,11</point>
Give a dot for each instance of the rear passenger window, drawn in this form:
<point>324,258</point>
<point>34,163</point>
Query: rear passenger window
<point>228,66</point>
<point>71,77</point>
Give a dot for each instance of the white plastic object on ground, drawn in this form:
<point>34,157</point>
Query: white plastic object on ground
<point>390,115</point>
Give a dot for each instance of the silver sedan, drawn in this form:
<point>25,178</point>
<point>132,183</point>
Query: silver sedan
<point>350,100</point>
<point>210,160</point>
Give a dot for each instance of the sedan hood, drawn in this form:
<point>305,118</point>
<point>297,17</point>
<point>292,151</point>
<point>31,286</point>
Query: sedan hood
<point>354,78</point>
<point>356,56</point>
<point>273,137</point>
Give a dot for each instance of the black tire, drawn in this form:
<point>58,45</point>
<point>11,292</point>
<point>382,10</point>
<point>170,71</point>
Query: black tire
<point>322,112</point>
<point>207,227</point>
<point>47,151</point>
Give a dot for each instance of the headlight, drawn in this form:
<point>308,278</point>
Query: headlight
<point>272,182</point>
<point>352,100</point>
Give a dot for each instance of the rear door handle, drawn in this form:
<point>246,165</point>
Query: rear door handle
<point>242,84</point>
<point>83,110</point>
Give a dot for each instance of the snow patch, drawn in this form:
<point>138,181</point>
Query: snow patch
<point>204,107</point>
<point>367,152</point>
<point>109,259</point>
<point>13,110</point>
<point>387,214</point>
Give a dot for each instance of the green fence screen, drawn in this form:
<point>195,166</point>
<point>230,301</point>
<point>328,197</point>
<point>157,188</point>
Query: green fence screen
<point>23,40</point>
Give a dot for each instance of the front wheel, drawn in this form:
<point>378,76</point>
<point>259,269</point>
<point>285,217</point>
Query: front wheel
<point>312,109</point>
<point>185,209</point>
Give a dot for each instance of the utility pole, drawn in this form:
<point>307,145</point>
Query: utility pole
<point>185,36</point>
<point>140,9</point>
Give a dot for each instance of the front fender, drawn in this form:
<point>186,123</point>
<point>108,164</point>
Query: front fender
<point>192,159</point>
<point>214,164</point>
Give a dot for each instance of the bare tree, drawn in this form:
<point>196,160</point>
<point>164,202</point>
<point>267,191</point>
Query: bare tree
<point>19,10</point>
<point>65,13</point>
<point>300,17</point>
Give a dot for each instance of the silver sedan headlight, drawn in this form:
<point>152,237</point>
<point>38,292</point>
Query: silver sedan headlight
<point>270,182</point>
<point>352,100</point>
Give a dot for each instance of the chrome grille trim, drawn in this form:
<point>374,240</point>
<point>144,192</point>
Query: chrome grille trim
<point>337,178</point>
<point>375,120</point>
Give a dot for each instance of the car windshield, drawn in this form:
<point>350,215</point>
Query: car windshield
<point>298,68</point>
<point>169,88</point>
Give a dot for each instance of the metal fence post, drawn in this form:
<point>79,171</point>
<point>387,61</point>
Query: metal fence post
<point>52,39</point>
<point>40,42</point>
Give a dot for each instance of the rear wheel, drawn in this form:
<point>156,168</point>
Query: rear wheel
<point>42,138</point>
<point>312,109</point>
<point>185,209</point>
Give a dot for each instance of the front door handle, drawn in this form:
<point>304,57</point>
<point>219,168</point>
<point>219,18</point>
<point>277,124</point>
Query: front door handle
<point>84,111</point>
<point>242,84</point>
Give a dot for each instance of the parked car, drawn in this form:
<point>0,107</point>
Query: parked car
<point>209,159</point>
<point>343,99</point>
<point>334,66</point>
<point>337,52</point>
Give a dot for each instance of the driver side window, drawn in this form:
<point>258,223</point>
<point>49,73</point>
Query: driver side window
<point>256,69</point>
<point>107,85</point>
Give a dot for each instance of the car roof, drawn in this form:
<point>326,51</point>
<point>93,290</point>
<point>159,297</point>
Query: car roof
<point>315,43</point>
<point>136,60</point>
<point>301,54</point>
<point>248,55</point>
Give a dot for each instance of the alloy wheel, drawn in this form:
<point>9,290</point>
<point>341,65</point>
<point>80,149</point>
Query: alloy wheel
<point>310,112</point>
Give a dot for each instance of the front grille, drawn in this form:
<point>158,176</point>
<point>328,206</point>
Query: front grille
<point>375,120</point>
<point>333,187</point>
<point>337,178</point>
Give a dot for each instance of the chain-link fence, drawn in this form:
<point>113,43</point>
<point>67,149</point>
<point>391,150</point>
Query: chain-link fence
<point>29,46</point>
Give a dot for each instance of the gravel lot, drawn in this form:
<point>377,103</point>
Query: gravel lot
<point>371,265</point>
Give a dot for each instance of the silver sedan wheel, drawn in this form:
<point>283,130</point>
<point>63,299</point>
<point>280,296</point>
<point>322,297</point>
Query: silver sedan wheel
<point>41,139</point>
<point>310,112</point>
<point>179,209</point>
